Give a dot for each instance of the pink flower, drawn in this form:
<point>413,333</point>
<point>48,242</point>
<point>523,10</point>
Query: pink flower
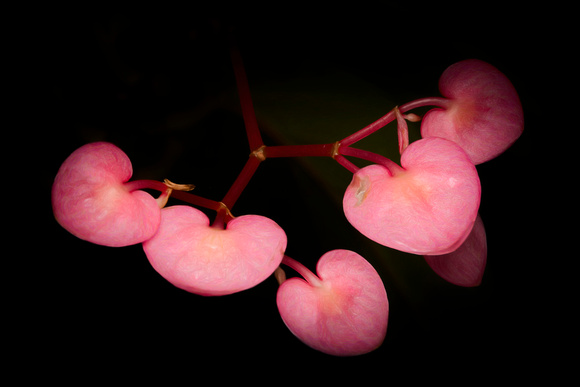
<point>209,260</point>
<point>92,200</point>
<point>464,266</point>
<point>426,207</point>
<point>484,114</point>
<point>343,312</point>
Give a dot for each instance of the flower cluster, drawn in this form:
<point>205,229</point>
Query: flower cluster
<point>428,205</point>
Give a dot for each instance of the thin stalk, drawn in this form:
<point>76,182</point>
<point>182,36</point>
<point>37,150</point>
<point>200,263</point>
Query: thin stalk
<point>393,167</point>
<point>346,163</point>
<point>429,101</point>
<point>223,216</point>
<point>368,130</point>
<point>390,116</point>
<point>309,276</point>
<point>316,150</point>
<point>241,182</point>
<point>252,129</point>
<point>402,131</point>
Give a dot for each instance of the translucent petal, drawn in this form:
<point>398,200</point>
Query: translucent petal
<point>346,314</point>
<point>90,200</point>
<point>428,208</point>
<point>464,266</point>
<point>484,117</point>
<point>210,261</point>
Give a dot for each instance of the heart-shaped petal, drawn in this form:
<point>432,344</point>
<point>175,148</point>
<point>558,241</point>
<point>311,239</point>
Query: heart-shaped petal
<point>91,201</point>
<point>427,207</point>
<point>344,313</point>
<point>484,115</point>
<point>211,261</point>
<point>464,266</point>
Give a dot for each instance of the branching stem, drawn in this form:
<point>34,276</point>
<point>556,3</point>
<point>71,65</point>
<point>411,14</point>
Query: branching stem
<point>391,116</point>
<point>315,150</point>
<point>372,157</point>
<point>260,152</point>
<point>241,181</point>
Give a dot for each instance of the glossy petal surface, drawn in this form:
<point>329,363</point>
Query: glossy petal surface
<point>89,198</point>
<point>205,260</point>
<point>429,208</point>
<point>485,116</point>
<point>346,314</point>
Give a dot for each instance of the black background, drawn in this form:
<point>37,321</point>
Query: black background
<point>134,77</point>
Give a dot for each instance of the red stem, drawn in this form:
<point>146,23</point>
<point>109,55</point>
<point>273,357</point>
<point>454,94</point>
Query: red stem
<point>316,150</point>
<point>334,150</point>
<point>390,116</point>
<point>321,150</point>
<point>368,130</point>
<point>180,195</point>
<point>309,276</point>
<point>252,129</point>
<point>372,157</point>
<point>429,101</point>
<point>241,182</point>
<point>347,164</point>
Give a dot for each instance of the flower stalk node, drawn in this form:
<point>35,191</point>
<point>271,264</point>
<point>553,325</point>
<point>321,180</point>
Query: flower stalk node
<point>335,150</point>
<point>259,153</point>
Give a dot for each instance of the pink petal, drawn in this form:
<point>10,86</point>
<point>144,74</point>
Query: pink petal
<point>485,116</point>
<point>344,314</point>
<point>90,200</point>
<point>464,266</point>
<point>205,260</point>
<point>428,208</point>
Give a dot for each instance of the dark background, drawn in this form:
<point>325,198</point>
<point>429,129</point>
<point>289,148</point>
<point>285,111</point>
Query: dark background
<point>159,84</point>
